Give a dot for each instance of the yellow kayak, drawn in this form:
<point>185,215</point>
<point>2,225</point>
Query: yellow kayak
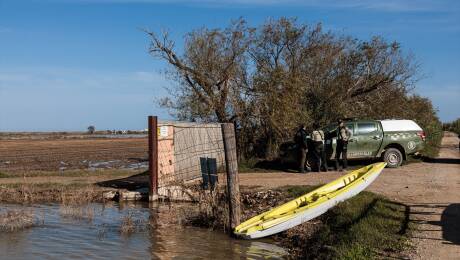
<point>310,205</point>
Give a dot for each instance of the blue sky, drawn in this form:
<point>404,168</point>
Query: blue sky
<point>67,64</point>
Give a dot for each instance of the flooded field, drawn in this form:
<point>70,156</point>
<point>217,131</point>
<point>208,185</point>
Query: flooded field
<point>98,231</point>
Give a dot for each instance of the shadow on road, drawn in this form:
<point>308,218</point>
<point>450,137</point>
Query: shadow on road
<point>292,167</point>
<point>134,182</point>
<point>449,223</point>
<point>442,160</point>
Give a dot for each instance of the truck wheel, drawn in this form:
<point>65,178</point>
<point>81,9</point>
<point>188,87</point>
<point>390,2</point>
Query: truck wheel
<point>393,158</point>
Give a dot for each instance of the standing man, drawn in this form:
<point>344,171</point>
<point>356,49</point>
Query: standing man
<point>343,135</point>
<point>301,142</point>
<point>319,151</point>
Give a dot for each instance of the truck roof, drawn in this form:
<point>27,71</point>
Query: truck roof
<point>400,125</point>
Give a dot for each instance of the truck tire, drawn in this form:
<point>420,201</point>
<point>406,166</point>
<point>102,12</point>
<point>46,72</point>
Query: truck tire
<point>393,157</point>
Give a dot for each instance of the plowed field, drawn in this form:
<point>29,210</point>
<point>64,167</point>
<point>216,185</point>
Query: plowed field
<point>64,154</point>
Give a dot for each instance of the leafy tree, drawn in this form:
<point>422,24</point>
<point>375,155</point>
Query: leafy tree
<point>91,129</point>
<point>453,126</point>
<point>269,79</point>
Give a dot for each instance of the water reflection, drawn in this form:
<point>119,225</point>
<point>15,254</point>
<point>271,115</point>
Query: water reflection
<point>63,236</point>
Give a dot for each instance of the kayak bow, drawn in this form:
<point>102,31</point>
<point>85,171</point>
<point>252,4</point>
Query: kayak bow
<point>310,205</point>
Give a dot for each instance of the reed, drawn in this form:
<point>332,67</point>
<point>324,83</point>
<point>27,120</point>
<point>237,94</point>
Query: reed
<point>127,225</point>
<point>77,212</point>
<point>13,220</point>
<point>51,192</point>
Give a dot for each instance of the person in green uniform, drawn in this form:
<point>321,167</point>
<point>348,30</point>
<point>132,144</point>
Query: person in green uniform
<point>319,152</point>
<point>343,135</point>
<point>301,142</point>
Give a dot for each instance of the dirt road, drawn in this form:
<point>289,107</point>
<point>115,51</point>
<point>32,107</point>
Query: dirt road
<point>431,189</point>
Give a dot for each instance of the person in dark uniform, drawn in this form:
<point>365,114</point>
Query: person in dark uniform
<point>302,146</point>
<point>343,135</point>
<point>319,152</point>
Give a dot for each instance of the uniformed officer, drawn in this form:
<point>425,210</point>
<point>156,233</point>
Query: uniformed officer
<point>343,135</point>
<point>319,153</point>
<point>301,142</point>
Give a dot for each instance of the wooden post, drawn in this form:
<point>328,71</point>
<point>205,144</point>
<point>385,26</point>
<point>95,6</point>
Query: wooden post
<point>153,157</point>
<point>233,185</point>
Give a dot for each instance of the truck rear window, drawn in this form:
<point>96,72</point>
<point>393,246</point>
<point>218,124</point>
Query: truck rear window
<point>365,128</point>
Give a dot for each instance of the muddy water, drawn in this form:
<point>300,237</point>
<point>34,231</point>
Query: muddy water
<point>59,234</point>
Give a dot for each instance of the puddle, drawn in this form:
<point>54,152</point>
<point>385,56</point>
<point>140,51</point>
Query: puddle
<point>59,234</point>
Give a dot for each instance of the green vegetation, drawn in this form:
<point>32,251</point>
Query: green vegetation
<point>421,110</point>
<point>433,143</point>
<point>366,226</point>
<point>247,165</point>
<point>453,126</point>
<point>297,191</point>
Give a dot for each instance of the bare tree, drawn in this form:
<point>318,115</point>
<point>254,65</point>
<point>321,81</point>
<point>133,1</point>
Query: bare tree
<point>211,72</point>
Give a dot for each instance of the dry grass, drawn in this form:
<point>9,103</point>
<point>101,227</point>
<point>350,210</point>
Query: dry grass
<point>13,220</point>
<point>212,211</point>
<point>78,212</point>
<point>50,192</point>
<point>81,195</point>
<point>127,225</point>
<point>130,225</point>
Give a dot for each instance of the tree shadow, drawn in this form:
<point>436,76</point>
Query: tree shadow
<point>131,183</point>
<point>450,223</point>
<point>429,205</point>
<point>407,212</point>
